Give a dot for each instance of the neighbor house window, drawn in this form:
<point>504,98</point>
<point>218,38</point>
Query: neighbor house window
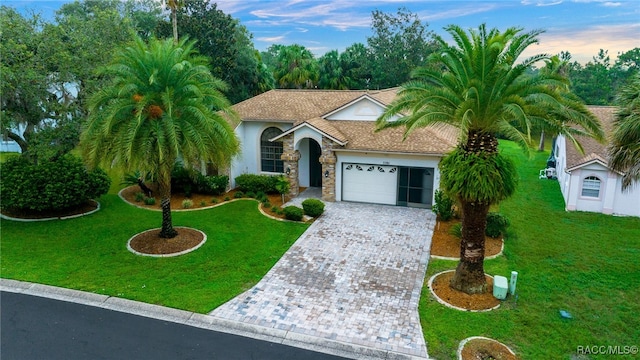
<point>270,151</point>
<point>591,187</point>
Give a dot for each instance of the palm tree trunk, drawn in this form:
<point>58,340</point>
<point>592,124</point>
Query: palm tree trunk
<point>469,276</point>
<point>164,188</point>
<point>541,144</point>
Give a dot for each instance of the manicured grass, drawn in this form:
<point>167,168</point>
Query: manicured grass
<point>584,263</point>
<point>90,254</point>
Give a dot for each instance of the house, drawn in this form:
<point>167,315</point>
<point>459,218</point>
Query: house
<point>586,181</point>
<point>327,139</point>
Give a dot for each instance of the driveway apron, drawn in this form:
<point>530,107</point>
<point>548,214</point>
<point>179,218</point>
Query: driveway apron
<point>354,276</point>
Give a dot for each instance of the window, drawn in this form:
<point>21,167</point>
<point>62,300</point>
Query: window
<point>270,152</point>
<point>591,187</point>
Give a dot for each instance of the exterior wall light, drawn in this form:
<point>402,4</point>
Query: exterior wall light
<point>288,170</point>
<point>326,173</point>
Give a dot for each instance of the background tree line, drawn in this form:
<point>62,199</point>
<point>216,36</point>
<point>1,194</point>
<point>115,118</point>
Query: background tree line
<point>49,67</point>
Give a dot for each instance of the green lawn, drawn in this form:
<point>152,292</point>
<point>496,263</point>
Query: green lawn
<point>584,263</point>
<point>90,254</point>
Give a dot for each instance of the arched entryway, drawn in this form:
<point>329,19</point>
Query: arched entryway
<point>315,168</point>
<point>310,168</point>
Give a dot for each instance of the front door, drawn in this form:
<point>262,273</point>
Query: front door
<point>415,187</point>
<point>315,168</point>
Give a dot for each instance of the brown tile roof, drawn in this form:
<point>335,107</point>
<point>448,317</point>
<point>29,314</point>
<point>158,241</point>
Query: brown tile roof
<point>299,106</point>
<point>362,136</point>
<point>593,150</point>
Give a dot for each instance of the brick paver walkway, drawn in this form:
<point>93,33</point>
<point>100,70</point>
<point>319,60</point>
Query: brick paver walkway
<point>354,276</point>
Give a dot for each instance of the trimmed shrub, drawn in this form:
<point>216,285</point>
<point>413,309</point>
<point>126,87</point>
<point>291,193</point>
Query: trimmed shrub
<point>227,198</point>
<point>214,201</point>
<point>443,206</point>
<point>188,181</point>
<point>266,204</point>
<point>313,207</point>
<point>293,213</point>
<point>150,201</point>
<point>139,196</point>
<point>213,185</point>
<point>187,204</point>
<point>496,224</point>
<point>203,203</point>
<point>238,195</point>
<point>257,183</point>
<point>275,209</point>
<point>51,185</point>
<point>250,194</point>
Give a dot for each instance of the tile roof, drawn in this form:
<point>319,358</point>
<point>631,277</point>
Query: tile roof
<point>593,150</point>
<point>309,106</point>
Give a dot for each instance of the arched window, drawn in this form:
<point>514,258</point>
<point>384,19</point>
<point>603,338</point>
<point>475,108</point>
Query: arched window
<point>270,151</point>
<point>591,187</point>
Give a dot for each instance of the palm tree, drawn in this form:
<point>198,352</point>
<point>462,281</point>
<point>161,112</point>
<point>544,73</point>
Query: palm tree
<point>296,68</point>
<point>174,5</point>
<point>480,86</point>
<point>624,151</point>
<point>163,105</point>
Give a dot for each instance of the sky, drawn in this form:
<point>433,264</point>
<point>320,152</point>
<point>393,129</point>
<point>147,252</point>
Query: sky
<point>582,27</point>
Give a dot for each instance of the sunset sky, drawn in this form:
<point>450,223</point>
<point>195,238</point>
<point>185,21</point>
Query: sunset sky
<point>581,27</point>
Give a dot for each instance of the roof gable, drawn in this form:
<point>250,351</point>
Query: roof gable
<point>363,108</point>
<point>593,150</point>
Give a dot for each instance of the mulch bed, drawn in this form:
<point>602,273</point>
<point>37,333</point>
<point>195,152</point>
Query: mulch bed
<point>150,242</point>
<point>440,286</point>
<point>199,200</point>
<point>447,245</point>
<point>78,210</point>
<point>486,349</point>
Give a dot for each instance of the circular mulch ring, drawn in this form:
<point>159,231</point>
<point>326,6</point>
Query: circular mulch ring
<point>481,348</point>
<point>83,209</point>
<point>439,286</point>
<point>149,243</point>
<point>445,246</point>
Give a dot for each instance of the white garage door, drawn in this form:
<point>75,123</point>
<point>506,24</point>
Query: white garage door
<point>376,184</point>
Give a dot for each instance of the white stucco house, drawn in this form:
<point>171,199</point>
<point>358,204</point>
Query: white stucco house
<point>327,139</point>
<point>586,181</point>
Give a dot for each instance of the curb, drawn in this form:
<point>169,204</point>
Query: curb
<point>202,321</point>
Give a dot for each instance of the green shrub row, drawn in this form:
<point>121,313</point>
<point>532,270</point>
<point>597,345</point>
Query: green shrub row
<point>293,213</point>
<point>51,185</point>
<point>257,183</point>
<point>188,181</point>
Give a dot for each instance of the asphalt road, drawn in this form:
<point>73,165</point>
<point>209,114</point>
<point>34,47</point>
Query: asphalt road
<point>33,327</point>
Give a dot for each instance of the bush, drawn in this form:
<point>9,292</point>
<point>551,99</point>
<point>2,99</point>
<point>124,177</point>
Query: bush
<point>250,194</point>
<point>51,185</point>
<point>313,207</point>
<point>203,203</point>
<point>443,206</point>
<point>496,224</point>
<point>139,196</point>
<point>227,198</point>
<point>266,204</point>
<point>257,183</point>
<point>213,185</point>
<point>150,201</point>
<point>293,213</point>
<point>188,181</point>
<point>275,209</point>
<point>187,204</point>
<point>214,201</point>
<point>238,195</point>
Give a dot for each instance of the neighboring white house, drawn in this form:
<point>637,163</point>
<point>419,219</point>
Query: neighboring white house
<point>586,181</point>
<point>324,138</point>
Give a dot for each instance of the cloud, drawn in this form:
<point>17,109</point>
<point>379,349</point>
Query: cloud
<point>457,11</point>
<point>612,4</point>
<point>272,39</point>
<point>584,43</point>
<point>541,2</point>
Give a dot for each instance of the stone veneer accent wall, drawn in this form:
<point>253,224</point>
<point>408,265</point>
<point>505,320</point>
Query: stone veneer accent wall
<point>328,161</point>
<point>290,158</point>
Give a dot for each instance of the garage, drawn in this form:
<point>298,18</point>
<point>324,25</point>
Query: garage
<point>368,183</point>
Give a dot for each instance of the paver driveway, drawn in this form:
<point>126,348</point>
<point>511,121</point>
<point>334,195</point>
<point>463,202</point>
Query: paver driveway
<point>354,276</point>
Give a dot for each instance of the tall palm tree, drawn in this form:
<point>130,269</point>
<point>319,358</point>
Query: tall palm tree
<point>296,68</point>
<point>624,151</point>
<point>162,105</point>
<point>480,86</point>
<point>174,5</point>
